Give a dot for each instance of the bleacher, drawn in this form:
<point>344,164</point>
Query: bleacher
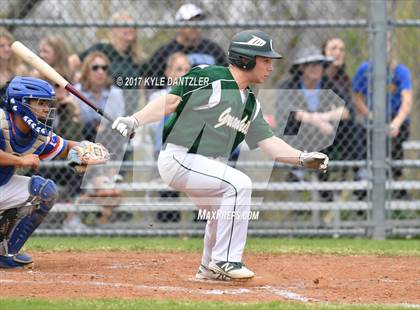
<point>281,213</point>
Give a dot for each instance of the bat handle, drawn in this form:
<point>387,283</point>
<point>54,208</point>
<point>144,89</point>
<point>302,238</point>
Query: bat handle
<point>70,88</point>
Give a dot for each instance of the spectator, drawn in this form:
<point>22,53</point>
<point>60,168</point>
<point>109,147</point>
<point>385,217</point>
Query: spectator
<point>54,51</point>
<point>121,48</point>
<point>102,192</point>
<point>351,140</point>
<point>335,48</point>
<point>309,111</point>
<point>10,64</point>
<point>96,85</point>
<point>67,118</point>
<point>176,66</point>
<point>399,99</point>
<point>189,41</point>
<point>123,51</point>
<point>66,122</point>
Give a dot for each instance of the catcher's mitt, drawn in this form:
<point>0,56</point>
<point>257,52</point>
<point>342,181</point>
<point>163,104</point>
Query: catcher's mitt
<point>87,153</point>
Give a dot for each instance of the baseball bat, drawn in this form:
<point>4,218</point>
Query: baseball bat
<point>46,70</point>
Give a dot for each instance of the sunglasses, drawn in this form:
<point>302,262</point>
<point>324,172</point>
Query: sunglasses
<point>97,67</point>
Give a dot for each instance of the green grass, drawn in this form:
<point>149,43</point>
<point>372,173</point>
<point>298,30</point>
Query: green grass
<point>257,245</point>
<point>42,304</point>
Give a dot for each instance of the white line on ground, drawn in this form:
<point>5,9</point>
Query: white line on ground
<point>237,291</point>
<point>136,286</point>
<point>287,294</point>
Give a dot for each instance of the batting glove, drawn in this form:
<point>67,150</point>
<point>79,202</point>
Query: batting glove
<point>125,125</point>
<point>314,160</point>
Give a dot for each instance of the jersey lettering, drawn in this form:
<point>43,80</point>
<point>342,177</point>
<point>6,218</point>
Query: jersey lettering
<point>225,119</point>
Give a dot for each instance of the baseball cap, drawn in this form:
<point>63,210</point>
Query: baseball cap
<point>189,11</point>
<point>311,54</point>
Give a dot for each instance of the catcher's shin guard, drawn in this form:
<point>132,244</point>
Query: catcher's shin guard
<point>8,220</point>
<point>46,192</point>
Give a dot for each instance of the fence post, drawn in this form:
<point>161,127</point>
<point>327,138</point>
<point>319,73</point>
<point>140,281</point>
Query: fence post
<point>378,76</point>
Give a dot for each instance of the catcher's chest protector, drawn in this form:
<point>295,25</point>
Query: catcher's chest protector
<point>7,136</point>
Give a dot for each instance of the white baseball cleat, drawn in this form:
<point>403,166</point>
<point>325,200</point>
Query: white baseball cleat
<point>205,273</point>
<point>234,270</point>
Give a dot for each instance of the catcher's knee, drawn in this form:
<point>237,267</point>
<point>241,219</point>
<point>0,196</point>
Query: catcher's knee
<point>43,189</point>
<point>43,196</point>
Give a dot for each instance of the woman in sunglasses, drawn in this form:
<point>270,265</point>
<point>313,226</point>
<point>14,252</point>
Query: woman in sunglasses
<point>96,84</point>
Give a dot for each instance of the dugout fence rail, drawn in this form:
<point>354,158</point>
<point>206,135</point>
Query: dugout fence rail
<point>295,218</point>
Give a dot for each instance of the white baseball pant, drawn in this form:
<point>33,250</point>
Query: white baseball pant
<point>211,185</point>
<point>14,193</point>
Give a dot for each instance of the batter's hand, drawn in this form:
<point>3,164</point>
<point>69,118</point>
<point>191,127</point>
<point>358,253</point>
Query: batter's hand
<point>29,161</point>
<point>314,160</point>
<point>125,125</point>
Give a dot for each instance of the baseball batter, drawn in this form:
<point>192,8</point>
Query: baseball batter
<point>214,110</point>
<point>26,137</point>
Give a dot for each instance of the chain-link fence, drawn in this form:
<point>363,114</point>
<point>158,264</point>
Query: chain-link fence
<point>324,95</point>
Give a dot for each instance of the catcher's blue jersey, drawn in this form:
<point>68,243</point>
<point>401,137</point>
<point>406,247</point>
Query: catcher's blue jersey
<point>12,140</point>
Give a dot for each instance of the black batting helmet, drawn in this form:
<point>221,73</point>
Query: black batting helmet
<point>248,44</point>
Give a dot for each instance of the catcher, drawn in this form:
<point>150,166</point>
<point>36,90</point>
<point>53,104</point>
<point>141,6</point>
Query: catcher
<point>26,138</point>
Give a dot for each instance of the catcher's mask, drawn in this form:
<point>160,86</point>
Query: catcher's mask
<point>246,45</point>
<point>33,100</point>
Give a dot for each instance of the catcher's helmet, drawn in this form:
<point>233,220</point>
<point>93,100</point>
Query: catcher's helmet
<point>18,93</point>
<point>248,44</point>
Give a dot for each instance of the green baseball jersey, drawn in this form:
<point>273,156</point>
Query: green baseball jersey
<point>214,116</point>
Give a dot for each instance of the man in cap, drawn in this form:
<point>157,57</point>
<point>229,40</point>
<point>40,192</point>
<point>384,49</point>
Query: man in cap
<point>310,112</point>
<point>209,120</point>
<point>189,40</point>
<point>313,107</point>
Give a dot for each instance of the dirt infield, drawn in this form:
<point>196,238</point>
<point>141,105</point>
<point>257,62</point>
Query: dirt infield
<point>305,278</point>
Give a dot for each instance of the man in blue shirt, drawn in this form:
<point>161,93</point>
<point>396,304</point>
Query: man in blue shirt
<point>399,98</point>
